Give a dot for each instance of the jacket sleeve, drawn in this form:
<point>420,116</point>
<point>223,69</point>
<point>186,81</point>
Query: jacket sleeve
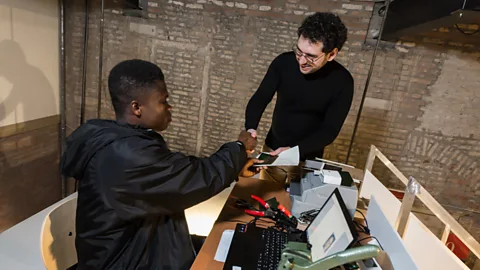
<point>263,96</point>
<point>334,118</point>
<point>156,181</point>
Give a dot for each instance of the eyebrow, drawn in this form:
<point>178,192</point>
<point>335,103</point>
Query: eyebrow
<point>311,55</point>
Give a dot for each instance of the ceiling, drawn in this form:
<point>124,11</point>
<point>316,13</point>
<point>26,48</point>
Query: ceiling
<point>410,17</point>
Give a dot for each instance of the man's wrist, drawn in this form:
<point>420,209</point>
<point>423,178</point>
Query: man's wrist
<point>252,132</point>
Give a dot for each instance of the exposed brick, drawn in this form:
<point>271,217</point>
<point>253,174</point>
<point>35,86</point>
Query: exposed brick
<point>265,8</point>
<point>240,5</point>
<point>352,6</point>
<point>194,6</point>
<point>424,116</point>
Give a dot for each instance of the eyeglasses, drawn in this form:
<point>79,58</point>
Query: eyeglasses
<point>309,58</point>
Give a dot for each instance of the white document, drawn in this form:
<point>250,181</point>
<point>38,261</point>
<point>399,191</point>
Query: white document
<point>224,246</point>
<point>332,177</point>
<point>290,157</point>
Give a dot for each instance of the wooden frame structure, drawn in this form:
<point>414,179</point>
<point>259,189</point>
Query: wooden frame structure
<point>415,190</point>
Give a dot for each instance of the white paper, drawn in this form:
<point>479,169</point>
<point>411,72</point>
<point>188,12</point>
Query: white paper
<point>332,177</point>
<point>334,163</point>
<point>290,157</point>
<point>224,246</point>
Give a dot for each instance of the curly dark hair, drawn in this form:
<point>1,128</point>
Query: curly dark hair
<point>324,27</point>
<point>131,79</point>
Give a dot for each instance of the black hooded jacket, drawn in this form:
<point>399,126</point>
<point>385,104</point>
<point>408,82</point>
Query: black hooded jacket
<point>132,195</point>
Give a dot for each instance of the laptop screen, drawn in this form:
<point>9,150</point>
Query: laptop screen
<point>332,230</point>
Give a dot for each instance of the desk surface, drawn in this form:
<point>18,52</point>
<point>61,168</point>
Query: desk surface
<point>230,216</point>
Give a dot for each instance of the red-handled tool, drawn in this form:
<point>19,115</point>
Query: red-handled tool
<point>285,211</point>
<point>268,212</point>
<point>262,202</point>
<point>255,213</point>
<point>272,210</point>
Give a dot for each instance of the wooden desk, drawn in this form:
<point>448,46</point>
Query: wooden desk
<point>231,215</point>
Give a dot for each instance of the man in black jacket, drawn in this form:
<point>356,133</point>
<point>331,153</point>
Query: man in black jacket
<point>132,189</point>
<point>314,94</point>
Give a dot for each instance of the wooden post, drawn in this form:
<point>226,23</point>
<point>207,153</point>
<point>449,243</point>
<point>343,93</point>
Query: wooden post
<point>445,234</point>
<point>411,192</point>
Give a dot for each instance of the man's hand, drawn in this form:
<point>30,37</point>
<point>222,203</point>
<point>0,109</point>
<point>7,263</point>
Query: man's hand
<point>278,151</point>
<point>253,132</point>
<point>254,170</point>
<point>248,141</point>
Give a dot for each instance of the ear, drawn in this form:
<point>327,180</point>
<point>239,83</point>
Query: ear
<point>331,55</point>
<point>135,108</point>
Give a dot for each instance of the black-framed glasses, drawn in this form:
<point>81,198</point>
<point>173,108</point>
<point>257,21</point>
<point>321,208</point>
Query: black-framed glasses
<point>309,58</point>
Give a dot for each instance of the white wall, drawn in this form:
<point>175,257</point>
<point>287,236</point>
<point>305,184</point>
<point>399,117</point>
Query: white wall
<point>29,60</point>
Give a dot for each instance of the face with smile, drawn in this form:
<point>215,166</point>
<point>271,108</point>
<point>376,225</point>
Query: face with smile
<point>310,55</point>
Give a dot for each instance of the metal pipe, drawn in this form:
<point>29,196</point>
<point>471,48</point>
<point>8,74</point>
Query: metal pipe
<point>100,62</point>
<point>84,75</point>
<point>370,71</point>
<point>62,75</point>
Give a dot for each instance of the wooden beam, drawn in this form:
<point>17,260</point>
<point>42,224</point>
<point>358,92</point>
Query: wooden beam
<point>436,208</point>
<point>19,128</point>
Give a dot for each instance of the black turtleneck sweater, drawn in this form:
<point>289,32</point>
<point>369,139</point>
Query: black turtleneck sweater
<point>310,109</point>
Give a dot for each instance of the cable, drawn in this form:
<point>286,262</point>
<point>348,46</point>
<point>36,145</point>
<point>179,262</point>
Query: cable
<point>367,83</point>
<point>361,213</point>
<point>308,216</point>
<point>364,218</point>
<point>371,237</point>
<point>362,228</point>
<point>365,229</point>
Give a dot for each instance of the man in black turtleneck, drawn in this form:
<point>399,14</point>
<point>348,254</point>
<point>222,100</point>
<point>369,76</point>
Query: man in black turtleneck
<point>314,94</point>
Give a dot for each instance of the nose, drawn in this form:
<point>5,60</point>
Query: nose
<point>302,60</point>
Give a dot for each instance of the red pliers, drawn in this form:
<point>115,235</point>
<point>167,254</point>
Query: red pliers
<point>269,212</point>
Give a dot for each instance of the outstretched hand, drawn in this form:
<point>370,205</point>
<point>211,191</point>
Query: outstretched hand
<point>248,170</point>
<point>248,141</point>
<point>253,132</point>
<point>278,151</point>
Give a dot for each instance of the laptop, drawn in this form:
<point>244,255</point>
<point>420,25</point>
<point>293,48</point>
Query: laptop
<point>331,231</point>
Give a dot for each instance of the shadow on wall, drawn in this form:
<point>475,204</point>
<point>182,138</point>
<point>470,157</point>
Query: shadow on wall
<point>30,87</point>
<point>43,7</point>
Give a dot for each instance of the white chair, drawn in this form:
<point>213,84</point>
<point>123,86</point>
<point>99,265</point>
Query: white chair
<point>57,240</point>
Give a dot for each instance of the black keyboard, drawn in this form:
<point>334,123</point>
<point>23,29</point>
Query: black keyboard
<point>255,248</point>
<point>274,242</point>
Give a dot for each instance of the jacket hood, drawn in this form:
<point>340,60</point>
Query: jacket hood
<point>90,138</point>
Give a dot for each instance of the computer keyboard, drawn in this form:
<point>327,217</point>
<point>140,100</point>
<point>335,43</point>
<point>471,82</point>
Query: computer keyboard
<point>274,242</point>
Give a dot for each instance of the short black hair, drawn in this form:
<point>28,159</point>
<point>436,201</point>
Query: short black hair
<point>131,79</point>
<point>324,27</point>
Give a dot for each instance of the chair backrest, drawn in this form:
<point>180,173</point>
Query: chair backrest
<point>57,241</point>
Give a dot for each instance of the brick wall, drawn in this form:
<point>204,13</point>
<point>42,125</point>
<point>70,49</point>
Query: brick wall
<point>420,107</point>
<point>29,174</point>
